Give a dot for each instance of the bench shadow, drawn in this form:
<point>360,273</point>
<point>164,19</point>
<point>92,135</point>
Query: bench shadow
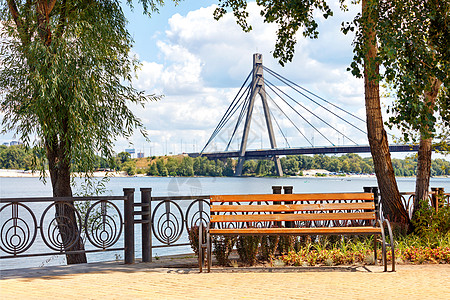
<point>179,265</point>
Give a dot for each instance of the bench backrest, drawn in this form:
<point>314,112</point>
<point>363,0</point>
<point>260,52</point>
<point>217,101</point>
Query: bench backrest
<point>292,207</point>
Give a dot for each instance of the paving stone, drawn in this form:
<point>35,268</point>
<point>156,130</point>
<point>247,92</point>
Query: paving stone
<point>152,281</point>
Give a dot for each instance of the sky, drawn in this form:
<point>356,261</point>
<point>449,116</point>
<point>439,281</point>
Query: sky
<point>198,64</point>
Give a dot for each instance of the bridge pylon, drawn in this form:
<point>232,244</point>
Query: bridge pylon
<point>257,88</point>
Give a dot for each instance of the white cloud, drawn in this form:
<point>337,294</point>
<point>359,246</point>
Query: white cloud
<point>204,62</point>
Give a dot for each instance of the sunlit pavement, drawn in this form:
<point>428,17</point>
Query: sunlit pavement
<point>179,279</point>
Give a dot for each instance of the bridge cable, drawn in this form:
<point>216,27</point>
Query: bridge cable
<point>279,128</point>
<point>232,106</point>
<point>269,84</point>
<point>313,115</point>
<point>228,113</point>
<point>320,104</point>
<point>235,109</point>
<point>298,129</point>
<point>280,77</point>
<point>245,108</point>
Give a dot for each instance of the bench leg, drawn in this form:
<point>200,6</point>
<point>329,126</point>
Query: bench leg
<point>383,246</point>
<point>200,247</point>
<point>375,246</point>
<point>208,251</point>
<point>391,240</point>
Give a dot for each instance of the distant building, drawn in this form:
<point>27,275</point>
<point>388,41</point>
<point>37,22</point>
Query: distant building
<point>6,144</point>
<point>140,155</point>
<point>131,151</point>
<point>14,143</point>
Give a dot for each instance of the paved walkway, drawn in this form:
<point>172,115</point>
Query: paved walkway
<point>178,279</point>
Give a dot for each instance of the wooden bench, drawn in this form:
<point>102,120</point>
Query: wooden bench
<point>295,214</point>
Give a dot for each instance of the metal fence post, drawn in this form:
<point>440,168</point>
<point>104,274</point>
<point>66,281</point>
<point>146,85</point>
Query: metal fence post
<point>146,204</point>
<point>434,198</point>
<point>129,225</point>
<point>441,195</point>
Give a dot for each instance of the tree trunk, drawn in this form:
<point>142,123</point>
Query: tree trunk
<point>390,196</point>
<point>425,149</point>
<point>59,167</point>
<point>423,171</point>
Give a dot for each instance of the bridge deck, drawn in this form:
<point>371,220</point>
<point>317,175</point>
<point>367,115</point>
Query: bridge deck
<point>306,150</point>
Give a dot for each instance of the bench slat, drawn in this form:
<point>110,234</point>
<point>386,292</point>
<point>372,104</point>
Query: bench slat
<point>298,231</point>
<point>291,197</point>
<point>293,217</point>
<point>293,207</point>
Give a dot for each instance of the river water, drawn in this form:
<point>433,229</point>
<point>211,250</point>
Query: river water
<point>179,186</point>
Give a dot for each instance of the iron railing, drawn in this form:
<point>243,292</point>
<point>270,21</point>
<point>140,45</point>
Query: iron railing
<point>59,225</point>
<point>435,196</point>
<point>168,220</point>
<point>107,223</point>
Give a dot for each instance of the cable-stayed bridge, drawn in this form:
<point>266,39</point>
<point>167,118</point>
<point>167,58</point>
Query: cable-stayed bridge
<point>319,126</point>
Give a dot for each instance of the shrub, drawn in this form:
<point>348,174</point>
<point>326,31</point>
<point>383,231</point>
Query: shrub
<point>223,245</point>
<point>193,237</point>
<point>286,244</point>
<point>247,248</point>
<point>269,245</point>
<point>429,224</point>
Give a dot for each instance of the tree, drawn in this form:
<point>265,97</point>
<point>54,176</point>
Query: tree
<point>186,168</point>
<point>414,46</point>
<point>292,16</point>
<point>249,167</point>
<point>162,170</point>
<point>153,170</point>
<point>129,167</point>
<point>228,169</point>
<point>124,156</point>
<point>65,77</point>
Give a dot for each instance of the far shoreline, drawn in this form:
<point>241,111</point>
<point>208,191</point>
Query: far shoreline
<point>10,173</point>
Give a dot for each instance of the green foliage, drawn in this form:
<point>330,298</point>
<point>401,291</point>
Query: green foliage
<point>19,158</point>
<point>408,249</point>
<point>269,245</point>
<point>186,168</point>
<point>286,244</point>
<point>290,19</point>
<point>247,248</point>
<point>429,224</point>
<point>193,237</point>
<point>16,157</point>
<point>152,170</point>
<point>65,79</point>
<point>223,246</point>
<point>414,38</point>
<point>129,167</point>
<point>124,156</point>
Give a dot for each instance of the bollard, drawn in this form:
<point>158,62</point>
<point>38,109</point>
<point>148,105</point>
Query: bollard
<point>146,196</point>
<point>129,225</point>
<point>276,189</point>
<point>288,190</point>
<point>374,190</point>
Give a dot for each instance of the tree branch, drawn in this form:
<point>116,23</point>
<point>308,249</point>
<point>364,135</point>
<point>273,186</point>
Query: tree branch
<point>50,6</point>
<point>15,13</point>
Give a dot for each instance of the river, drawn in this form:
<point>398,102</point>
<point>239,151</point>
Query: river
<point>182,186</point>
